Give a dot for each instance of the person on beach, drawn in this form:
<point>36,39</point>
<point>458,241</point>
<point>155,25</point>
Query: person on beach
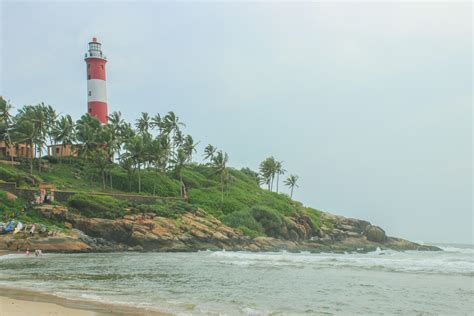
<point>27,251</point>
<point>32,230</point>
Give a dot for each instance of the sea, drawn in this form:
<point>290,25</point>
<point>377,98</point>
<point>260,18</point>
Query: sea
<point>383,282</point>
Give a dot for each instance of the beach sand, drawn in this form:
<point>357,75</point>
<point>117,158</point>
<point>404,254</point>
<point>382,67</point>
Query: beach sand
<point>23,302</point>
<point>9,306</point>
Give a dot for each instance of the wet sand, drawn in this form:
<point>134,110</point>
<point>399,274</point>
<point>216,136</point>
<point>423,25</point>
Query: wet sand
<point>23,302</point>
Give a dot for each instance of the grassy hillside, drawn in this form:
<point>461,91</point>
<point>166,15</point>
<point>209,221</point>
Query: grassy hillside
<point>255,211</point>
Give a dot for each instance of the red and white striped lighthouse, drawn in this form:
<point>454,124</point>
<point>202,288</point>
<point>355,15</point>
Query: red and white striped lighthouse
<point>96,87</point>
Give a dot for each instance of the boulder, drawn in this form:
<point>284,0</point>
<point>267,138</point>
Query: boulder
<point>375,234</point>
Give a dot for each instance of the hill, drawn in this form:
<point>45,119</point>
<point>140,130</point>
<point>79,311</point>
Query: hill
<point>244,217</point>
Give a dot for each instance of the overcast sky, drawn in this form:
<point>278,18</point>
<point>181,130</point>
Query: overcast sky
<point>370,104</point>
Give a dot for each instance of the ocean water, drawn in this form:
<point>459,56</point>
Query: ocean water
<point>241,283</point>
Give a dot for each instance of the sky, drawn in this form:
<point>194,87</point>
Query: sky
<point>369,103</point>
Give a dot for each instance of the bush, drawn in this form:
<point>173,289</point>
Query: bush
<point>272,222</point>
<point>244,221</point>
<point>97,206</point>
<point>7,174</point>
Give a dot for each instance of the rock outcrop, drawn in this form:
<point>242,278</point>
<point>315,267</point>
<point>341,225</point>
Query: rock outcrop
<point>198,230</point>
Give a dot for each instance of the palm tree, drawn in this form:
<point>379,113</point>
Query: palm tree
<point>279,171</point>
<point>6,124</point>
<point>87,134</point>
<point>268,171</point>
<point>64,133</point>
<point>50,116</point>
<point>291,183</point>
<point>171,123</point>
<point>179,160</point>
<point>127,164</point>
<point>24,131</point>
<point>157,122</point>
<point>135,151</point>
<point>189,147</point>
<point>117,127</point>
<point>219,162</point>
<point>209,152</point>
<point>143,124</point>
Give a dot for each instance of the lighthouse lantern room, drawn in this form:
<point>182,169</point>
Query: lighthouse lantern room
<point>96,87</point>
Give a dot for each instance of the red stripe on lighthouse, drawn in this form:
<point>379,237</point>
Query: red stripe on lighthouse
<point>95,68</point>
<point>99,110</point>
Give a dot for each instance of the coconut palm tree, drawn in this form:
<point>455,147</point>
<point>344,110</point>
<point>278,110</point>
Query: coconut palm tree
<point>143,124</point>
<point>24,131</point>
<point>219,163</point>
<point>209,152</point>
<point>88,129</point>
<point>126,163</point>
<point>6,124</point>
<point>63,132</point>
<point>157,122</point>
<point>291,183</point>
<point>268,171</point>
<point>279,171</point>
<point>189,147</point>
<point>135,150</point>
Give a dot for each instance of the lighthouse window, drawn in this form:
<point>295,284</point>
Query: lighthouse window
<point>88,76</point>
<point>102,66</point>
<point>90,93</point>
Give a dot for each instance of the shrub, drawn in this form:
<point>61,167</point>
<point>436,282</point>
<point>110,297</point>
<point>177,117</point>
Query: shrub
<point>97,206</point>
<point>7,174</point>
<point>272,222</point>
<point>244,221</point>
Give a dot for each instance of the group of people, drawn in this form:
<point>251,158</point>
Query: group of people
<point>38,252</point>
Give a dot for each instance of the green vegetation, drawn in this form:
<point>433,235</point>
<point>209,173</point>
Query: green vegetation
<point>151,157</point>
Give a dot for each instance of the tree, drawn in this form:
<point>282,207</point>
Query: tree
<point>157,122</point>
<point>279,171</point>
<point>135,151</point>
<point>126,163</point>
<point>6,124</point>
<point>50,117</point>
<point>209,152</point>
<point>268,169</point>
<point>219,162</point>
<point>189,147</point>
<point>64,132</point>
<point>143,124</point>
<point>179,160</point>
<point>291,183</point>
<point>88,129</point>
<point>25,132</point>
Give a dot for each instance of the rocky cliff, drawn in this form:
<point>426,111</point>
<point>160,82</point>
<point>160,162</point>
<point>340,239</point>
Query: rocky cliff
<point>193,231</point>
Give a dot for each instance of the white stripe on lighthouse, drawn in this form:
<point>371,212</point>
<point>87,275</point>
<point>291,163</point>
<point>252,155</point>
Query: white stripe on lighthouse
<point>96,90</point>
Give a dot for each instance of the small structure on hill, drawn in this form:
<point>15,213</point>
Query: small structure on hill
<point>46,193</point>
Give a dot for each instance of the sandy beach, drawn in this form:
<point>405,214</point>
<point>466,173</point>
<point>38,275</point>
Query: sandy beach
<point>9,306</point>
<point>23,302</point>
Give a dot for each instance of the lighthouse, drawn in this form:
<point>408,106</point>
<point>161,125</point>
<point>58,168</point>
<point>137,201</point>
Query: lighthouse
<point>96,87</point>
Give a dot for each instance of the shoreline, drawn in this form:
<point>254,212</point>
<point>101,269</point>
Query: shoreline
<point>18,301</point>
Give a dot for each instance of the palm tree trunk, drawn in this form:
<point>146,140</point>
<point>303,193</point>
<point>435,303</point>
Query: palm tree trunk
<point>291,196</point>
<point>31,157</point>
<point>103,179</point>
<point>62,152</point>
<point>222,191</point>
<point>111,184</point>
<point>11,153</point>
<point>278,180</point>
<point>139,180</point>
<point>39,160</point>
